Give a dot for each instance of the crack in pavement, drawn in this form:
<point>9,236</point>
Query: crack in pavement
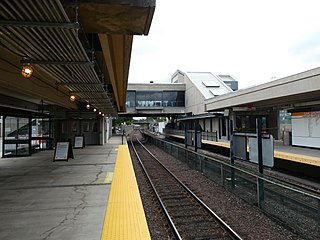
<point>76,212</point>
<point>97,175</point>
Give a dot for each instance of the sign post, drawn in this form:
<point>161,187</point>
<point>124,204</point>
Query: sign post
<point>63,151</point>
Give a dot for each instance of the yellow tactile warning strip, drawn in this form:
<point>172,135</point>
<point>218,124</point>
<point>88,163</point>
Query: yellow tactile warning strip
<point>220,144</point>
<point>125,218</point>
<point>315,161</point>
<point>109,177</point>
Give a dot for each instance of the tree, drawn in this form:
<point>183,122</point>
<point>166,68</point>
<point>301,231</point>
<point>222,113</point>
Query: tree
<point>119,120</point>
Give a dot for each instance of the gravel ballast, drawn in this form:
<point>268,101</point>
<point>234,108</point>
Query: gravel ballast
<point>247,220</point>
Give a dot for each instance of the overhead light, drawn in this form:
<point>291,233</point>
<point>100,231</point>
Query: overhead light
<point>88,106</point>
<point>100,113</point>
<point>27,71</point>
<point>94,109</point>
<point>72,98</point>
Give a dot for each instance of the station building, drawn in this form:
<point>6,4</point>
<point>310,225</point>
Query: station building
<point>288,107</point>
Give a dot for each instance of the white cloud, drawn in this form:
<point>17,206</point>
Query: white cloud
<point>253,41</point>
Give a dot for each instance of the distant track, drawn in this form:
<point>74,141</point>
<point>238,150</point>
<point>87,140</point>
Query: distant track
<point>187,215</point>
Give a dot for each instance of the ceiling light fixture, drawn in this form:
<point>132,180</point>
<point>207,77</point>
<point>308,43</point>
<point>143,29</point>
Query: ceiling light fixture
<point>88,106</point>
<point>72,98</point>
<point>94,109</point>
<point>27,71</point>
<point>100,113</point>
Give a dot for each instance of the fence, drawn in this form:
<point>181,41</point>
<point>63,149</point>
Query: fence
<point>298,210</point>
<point>211,136</point>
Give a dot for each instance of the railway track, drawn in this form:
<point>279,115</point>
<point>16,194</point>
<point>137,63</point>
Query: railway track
<point>280,188</point>
<point>187,215</point>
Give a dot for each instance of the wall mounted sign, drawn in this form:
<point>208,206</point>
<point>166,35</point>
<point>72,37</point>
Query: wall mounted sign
<point>79,141</point>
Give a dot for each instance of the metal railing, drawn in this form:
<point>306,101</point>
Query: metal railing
<point>295,208</point>
<point>211,136</point>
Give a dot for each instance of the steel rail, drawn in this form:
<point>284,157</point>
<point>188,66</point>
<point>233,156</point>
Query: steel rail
<point>224,225</point>
<point>243,170</point>
<point>171,224</point>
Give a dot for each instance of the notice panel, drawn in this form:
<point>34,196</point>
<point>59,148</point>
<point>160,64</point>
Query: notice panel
<point>78,142</point>
<point>61,151</point>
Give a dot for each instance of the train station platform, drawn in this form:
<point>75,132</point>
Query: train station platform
<point>301,155</point>
<point>291,160</point>
<point>42,199</point>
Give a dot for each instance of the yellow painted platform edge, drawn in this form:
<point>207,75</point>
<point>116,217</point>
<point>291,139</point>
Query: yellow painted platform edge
<point>304,159</point>
<point>315,161</point>
<point>124,197</point>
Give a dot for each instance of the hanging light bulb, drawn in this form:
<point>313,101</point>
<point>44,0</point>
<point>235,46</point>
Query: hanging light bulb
<point>100,113</point>
<point>27,71</point>
<point>88,106</point>
<point>94,109</point>
<point>72,98</point>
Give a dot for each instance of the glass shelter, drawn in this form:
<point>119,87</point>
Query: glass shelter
<point>25,132</point>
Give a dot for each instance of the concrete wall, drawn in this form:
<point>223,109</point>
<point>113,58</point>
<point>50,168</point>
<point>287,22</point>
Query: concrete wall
<point>194,98</point>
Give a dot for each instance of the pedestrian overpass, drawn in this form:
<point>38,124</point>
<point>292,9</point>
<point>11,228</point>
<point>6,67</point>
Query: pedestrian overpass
<point>150,99</point>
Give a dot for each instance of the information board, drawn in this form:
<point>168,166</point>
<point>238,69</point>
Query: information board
<point>63,151</point>
<point>79,142</point>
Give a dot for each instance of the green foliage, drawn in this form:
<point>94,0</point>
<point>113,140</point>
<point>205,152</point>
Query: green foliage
<point>120,120</point>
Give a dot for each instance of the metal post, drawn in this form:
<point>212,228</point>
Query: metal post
<point>30,134</point>
<point>259,137</point>
<point>122,136</point>
<point>233,184</point>
<point>185,134</point>
<point>3,133</point>
<point>195,135</point>
<point>260,163</point>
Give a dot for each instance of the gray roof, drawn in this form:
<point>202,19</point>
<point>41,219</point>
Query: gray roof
<point>208,84</point>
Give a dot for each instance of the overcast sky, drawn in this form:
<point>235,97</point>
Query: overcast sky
<point>254,41</point>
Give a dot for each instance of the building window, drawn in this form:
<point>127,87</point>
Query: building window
<point>173,99</point>
<point>149,99</point>
<point>155,99</point>
<point>131,99</point>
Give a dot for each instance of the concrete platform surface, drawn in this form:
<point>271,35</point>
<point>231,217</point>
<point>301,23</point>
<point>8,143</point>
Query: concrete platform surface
<point>42,199</point>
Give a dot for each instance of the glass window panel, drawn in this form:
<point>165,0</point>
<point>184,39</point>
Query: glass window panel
<point>149,99</point>
<point>10,150</point>
<point>210,83</point>
<point>40,127</point>
<point>10,128</point>
<point>44,123</point>
<point>23,149</point>
<point>44,144</point>
<point>23,129</point>
<point>173,99</point>
<point>35,144</point>
<point>131,99</point>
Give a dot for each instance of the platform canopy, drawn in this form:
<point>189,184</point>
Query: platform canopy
<point>80,47</point>
<point>296,91</point>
